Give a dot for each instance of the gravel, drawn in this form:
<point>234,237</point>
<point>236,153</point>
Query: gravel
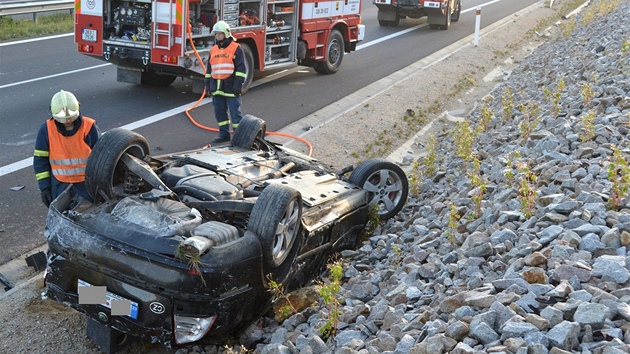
<point>503,281</point>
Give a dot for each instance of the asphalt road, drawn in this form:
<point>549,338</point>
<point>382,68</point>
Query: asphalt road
<point>32,71</point>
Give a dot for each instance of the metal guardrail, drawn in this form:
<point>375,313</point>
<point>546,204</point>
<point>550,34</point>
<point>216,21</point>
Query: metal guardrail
<point>22,8</point>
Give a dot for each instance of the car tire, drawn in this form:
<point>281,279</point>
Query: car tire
<point>334,54</point>
<point>457,12</point>
<point>105,174</point>
<point>152,78</point>
<point>383,23</point>
<point>386,184</point>
<point>276,219</point>
<point>249,67</point>
<point>249,130</point>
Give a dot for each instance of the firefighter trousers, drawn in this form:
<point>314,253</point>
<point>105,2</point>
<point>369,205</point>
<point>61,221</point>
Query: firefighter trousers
<point>221,106</point>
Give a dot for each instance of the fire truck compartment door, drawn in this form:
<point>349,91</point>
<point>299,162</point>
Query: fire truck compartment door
<point>318,9</point>
<point>345,7</point>
<point>168,30</point>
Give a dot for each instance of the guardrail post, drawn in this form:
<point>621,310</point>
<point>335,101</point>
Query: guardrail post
<point>477,26</point>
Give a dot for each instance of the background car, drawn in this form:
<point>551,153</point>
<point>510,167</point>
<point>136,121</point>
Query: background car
<point>181,247</point>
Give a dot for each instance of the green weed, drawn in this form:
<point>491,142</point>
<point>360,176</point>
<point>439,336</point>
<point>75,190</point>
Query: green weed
<point>619,175</point>
<point>330,295</point>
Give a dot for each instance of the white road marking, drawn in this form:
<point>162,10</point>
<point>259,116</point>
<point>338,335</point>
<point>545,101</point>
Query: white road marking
<point>158,117</point>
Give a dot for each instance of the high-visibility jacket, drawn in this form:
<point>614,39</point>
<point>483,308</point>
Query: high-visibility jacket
<point>69,154</point>
<point>222,61</point>
<point>226,68</point>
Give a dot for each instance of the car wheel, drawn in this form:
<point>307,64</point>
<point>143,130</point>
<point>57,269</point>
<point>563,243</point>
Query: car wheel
<point>277,219</point>
<point>249,130</point>
<point>152,78</point>
<point>334,54</point>
<point>106,176</point>
<point>458,11</point>
<point>249,67</point>
<point>386,184</point>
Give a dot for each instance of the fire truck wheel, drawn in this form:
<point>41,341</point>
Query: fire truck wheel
<point>249,67</point>
<point>152,78</point>
<point>334,55</point>
<point>106,176</point>
<point>458,11</point>
<point>447,20</point>
<point>383,23</point>
<point>395,22</point>
<point>249,130</point>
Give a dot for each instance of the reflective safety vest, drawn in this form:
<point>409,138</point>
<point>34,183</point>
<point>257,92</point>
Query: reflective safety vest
<point>222,61</point>
<point>69,154</point>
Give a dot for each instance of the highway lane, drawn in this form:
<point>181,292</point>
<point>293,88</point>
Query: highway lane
<point>31,72</point>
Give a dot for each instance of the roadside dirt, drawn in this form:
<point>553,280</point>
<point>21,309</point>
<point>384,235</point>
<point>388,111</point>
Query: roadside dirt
<point>31,324</point>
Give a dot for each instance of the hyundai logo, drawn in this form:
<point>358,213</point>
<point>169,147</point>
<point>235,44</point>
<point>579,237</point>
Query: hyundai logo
<point>157,308</point>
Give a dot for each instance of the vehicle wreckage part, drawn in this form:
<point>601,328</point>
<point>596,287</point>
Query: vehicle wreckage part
<point>275,219</point>
<point>190,329</point>
<point>386,184</point>
<point>208,235</point>
<point>249,129</point>
<point>208,187</point>
<point>105,173</point>
<point>143,171</point>
<point>165,217</point>
<point>108,339</point>
<point>7,284</point>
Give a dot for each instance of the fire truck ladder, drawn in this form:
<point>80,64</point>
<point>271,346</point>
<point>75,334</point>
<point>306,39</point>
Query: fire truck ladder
<point>157,32</point>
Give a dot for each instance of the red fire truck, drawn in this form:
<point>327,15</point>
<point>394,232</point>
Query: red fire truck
<point>155,41</point>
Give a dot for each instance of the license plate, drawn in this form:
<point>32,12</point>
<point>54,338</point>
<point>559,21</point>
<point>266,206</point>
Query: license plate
<point>88,35</point>
<point>432,4</point>
<point>109,297</point>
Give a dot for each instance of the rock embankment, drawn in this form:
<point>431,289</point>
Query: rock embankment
<point>542,266</point>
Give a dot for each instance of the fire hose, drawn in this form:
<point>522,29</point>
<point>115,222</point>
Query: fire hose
<point>203,94</point>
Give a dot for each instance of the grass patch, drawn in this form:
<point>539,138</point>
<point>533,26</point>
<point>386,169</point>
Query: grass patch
<point>46,25</point>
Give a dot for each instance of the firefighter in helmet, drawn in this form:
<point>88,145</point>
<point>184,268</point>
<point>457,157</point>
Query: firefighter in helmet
<point>225,75</point>
<point>63,145</point>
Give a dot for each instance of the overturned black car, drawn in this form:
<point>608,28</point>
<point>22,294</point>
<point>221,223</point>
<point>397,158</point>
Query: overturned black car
<point>181,247</point>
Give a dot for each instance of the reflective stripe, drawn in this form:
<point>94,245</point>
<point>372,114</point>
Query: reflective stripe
<point>68,172</point>
<point>235,125</point>
<point>224,122</point>
<point>219,92</point>
<point>42,175</point>
<point>225,72</point>
<point>69,162</point>
<point>240,74</point>
<point>224,65</point>
<point>41,153</point>
<point>208,76</point>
